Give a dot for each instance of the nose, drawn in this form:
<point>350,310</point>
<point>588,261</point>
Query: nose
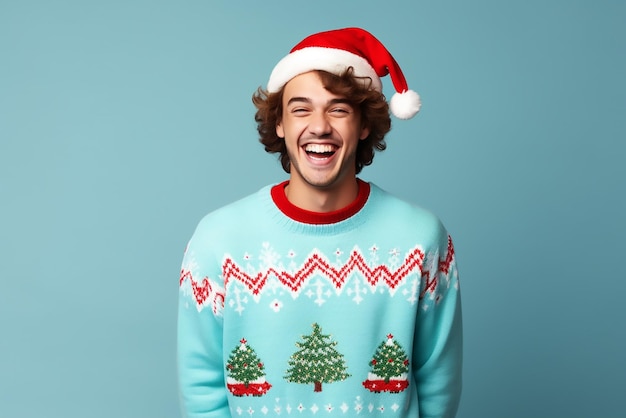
<point>319,124</point>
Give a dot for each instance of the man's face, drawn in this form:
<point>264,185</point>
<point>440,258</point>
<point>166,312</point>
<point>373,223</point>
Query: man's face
<point>321,132</point>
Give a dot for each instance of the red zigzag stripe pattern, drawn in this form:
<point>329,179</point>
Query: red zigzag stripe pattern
<point>317,264</point>
<point>203,291</point>
<point>444,267</point>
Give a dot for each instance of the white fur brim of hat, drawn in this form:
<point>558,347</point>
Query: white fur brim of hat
<point>334,61</point>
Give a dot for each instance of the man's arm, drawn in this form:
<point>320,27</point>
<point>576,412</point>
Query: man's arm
<point>439,341</point>
<point>200,354</point>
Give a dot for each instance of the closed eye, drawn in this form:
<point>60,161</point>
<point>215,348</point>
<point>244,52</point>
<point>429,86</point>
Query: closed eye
<point>340,111</point>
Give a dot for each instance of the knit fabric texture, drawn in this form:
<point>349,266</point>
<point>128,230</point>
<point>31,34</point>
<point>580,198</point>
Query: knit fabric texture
<point>285,312</point>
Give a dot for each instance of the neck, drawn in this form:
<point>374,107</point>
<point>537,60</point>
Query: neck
<point>318,199</point>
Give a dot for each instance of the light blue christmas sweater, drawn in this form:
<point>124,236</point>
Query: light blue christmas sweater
<point>285,312</point>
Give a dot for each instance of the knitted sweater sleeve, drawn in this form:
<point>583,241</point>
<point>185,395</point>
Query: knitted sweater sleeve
<point>438,337</point>
<point>199,354</point>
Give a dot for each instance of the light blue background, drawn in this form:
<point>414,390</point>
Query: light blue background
<point>123,122</point>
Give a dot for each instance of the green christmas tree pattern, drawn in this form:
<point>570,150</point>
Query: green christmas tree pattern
<point>389,368</point>
<point>246,372</point>
<point>316,361</point>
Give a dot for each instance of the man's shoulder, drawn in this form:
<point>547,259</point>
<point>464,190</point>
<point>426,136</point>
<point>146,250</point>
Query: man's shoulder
<point>239,210</point>
<point>388,203</point>
<point>393,210</point>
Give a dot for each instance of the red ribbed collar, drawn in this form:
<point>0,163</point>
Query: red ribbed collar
<point>319,218</point>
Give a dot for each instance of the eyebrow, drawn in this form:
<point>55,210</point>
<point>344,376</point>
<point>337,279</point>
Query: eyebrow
<point>307,100</point>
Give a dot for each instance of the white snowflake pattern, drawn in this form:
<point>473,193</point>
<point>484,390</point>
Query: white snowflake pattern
<point>277,408</point>
<point>190,263</point>
<point>413,293</point>
<point>276,305</point>
<point>357,290</point>
<point>238,302</point>
<point>314,408</point>
<point>274,286</point>
<point>394,260</point>
<point>374,254</point>
<point>319,286</point>
<point>291,267</point>
<point>358,405</point>
<point>269,257</point>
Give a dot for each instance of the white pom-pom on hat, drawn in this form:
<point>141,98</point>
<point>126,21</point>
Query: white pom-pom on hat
<point>336,50</point>
<point>405,105</point>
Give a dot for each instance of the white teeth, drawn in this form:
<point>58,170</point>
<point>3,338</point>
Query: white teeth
<point>319,148</point>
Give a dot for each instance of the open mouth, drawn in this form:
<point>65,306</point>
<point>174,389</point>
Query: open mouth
<point>320,150</point>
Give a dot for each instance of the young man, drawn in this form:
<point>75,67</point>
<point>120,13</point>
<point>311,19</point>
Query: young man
<point>322,295</point>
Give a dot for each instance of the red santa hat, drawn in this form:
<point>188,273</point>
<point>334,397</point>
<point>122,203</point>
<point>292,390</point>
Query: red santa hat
<point>336,50</point>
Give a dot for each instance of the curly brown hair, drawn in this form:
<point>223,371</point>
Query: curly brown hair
<point>370,103</point>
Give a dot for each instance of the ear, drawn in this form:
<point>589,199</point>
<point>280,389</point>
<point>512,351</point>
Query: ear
<point>280,132</point>
<point>365,131</point>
